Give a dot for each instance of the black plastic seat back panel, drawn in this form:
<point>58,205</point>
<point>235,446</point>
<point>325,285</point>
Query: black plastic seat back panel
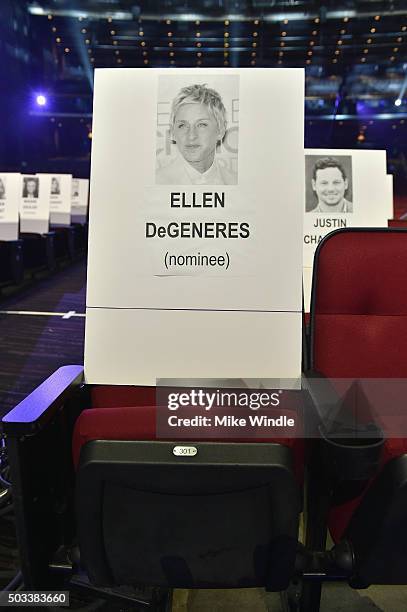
<point>227,517</point>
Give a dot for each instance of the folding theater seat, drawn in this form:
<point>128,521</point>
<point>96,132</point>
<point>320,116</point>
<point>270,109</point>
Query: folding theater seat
<point>11,262</point>
<point>80,238</point>
<point>64,244</point>
<point>38,251</point>
<point>359,344</point>
<point>223,515</point>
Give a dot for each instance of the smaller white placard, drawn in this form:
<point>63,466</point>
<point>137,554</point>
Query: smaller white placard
<point>343,188</point>
<point>390,194</point>
<point>34,203</point>
<point>307,285</point>
<point>60,199</point>
<point>10,194</point>
<point>79,200</point>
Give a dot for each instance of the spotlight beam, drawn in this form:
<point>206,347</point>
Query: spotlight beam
<point>402,92</point>
<point>83,51</point>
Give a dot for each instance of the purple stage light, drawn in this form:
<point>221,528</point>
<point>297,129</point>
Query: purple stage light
<point>41,100</point>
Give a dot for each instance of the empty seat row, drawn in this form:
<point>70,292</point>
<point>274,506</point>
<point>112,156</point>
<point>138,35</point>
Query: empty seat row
<point>33,253</point>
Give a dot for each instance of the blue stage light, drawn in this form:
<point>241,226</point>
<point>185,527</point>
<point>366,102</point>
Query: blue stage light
<point>41,100</point>
<point>397,102</point>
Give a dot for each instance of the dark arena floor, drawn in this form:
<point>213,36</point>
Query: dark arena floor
<point>41,329</point>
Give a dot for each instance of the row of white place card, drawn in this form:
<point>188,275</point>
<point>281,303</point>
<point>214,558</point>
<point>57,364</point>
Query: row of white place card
<point>38,200</point>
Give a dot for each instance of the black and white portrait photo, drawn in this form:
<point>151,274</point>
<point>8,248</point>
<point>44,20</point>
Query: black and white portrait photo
<point>197,130</point>
<point>2,188</point>
<point>75,188</point>
<point>55,186</point>
<point>30,187</point>
<point>328,184</point>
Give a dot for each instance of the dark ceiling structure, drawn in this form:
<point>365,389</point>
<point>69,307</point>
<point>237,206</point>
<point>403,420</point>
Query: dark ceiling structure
<point>353,52</point>
<point>354,49</point>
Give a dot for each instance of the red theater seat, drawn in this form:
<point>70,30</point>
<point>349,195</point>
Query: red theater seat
<point>116,439</point>
<point>163,514</point>
<point>359,332</point>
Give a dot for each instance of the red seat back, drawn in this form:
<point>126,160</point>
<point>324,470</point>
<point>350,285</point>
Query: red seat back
<point>359,319</point>
<point>359,305</point>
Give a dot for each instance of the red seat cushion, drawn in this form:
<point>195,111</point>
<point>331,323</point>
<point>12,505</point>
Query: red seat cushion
<point>132,421</point>
<point>128,414</point>
<point>127,423</point>
<point>111,396</point>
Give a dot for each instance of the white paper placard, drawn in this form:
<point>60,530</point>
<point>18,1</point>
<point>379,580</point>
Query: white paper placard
<point>10,195</point>
<point>366,192</point>
<point>79,200</point>
<point>34,203</point>
<point>191,344</point>
<point>307,283</point>
<point>390,195</point>
<point>353,181</point>
<point>202,252</point>
<point>60,199</point>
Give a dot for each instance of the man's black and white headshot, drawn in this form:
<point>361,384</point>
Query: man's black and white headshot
<point>30,187</point>
<point>2,188</point>
<point>198,124</point>
<point>75,188</point>
<point>328,184</point>
<point>55,186</point>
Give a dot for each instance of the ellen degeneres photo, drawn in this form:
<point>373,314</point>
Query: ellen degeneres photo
<point>198,125</point>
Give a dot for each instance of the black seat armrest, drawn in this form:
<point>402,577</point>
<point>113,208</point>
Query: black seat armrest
<point>352,440</point>
<point>321,397</point>
<point>38,408</point>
